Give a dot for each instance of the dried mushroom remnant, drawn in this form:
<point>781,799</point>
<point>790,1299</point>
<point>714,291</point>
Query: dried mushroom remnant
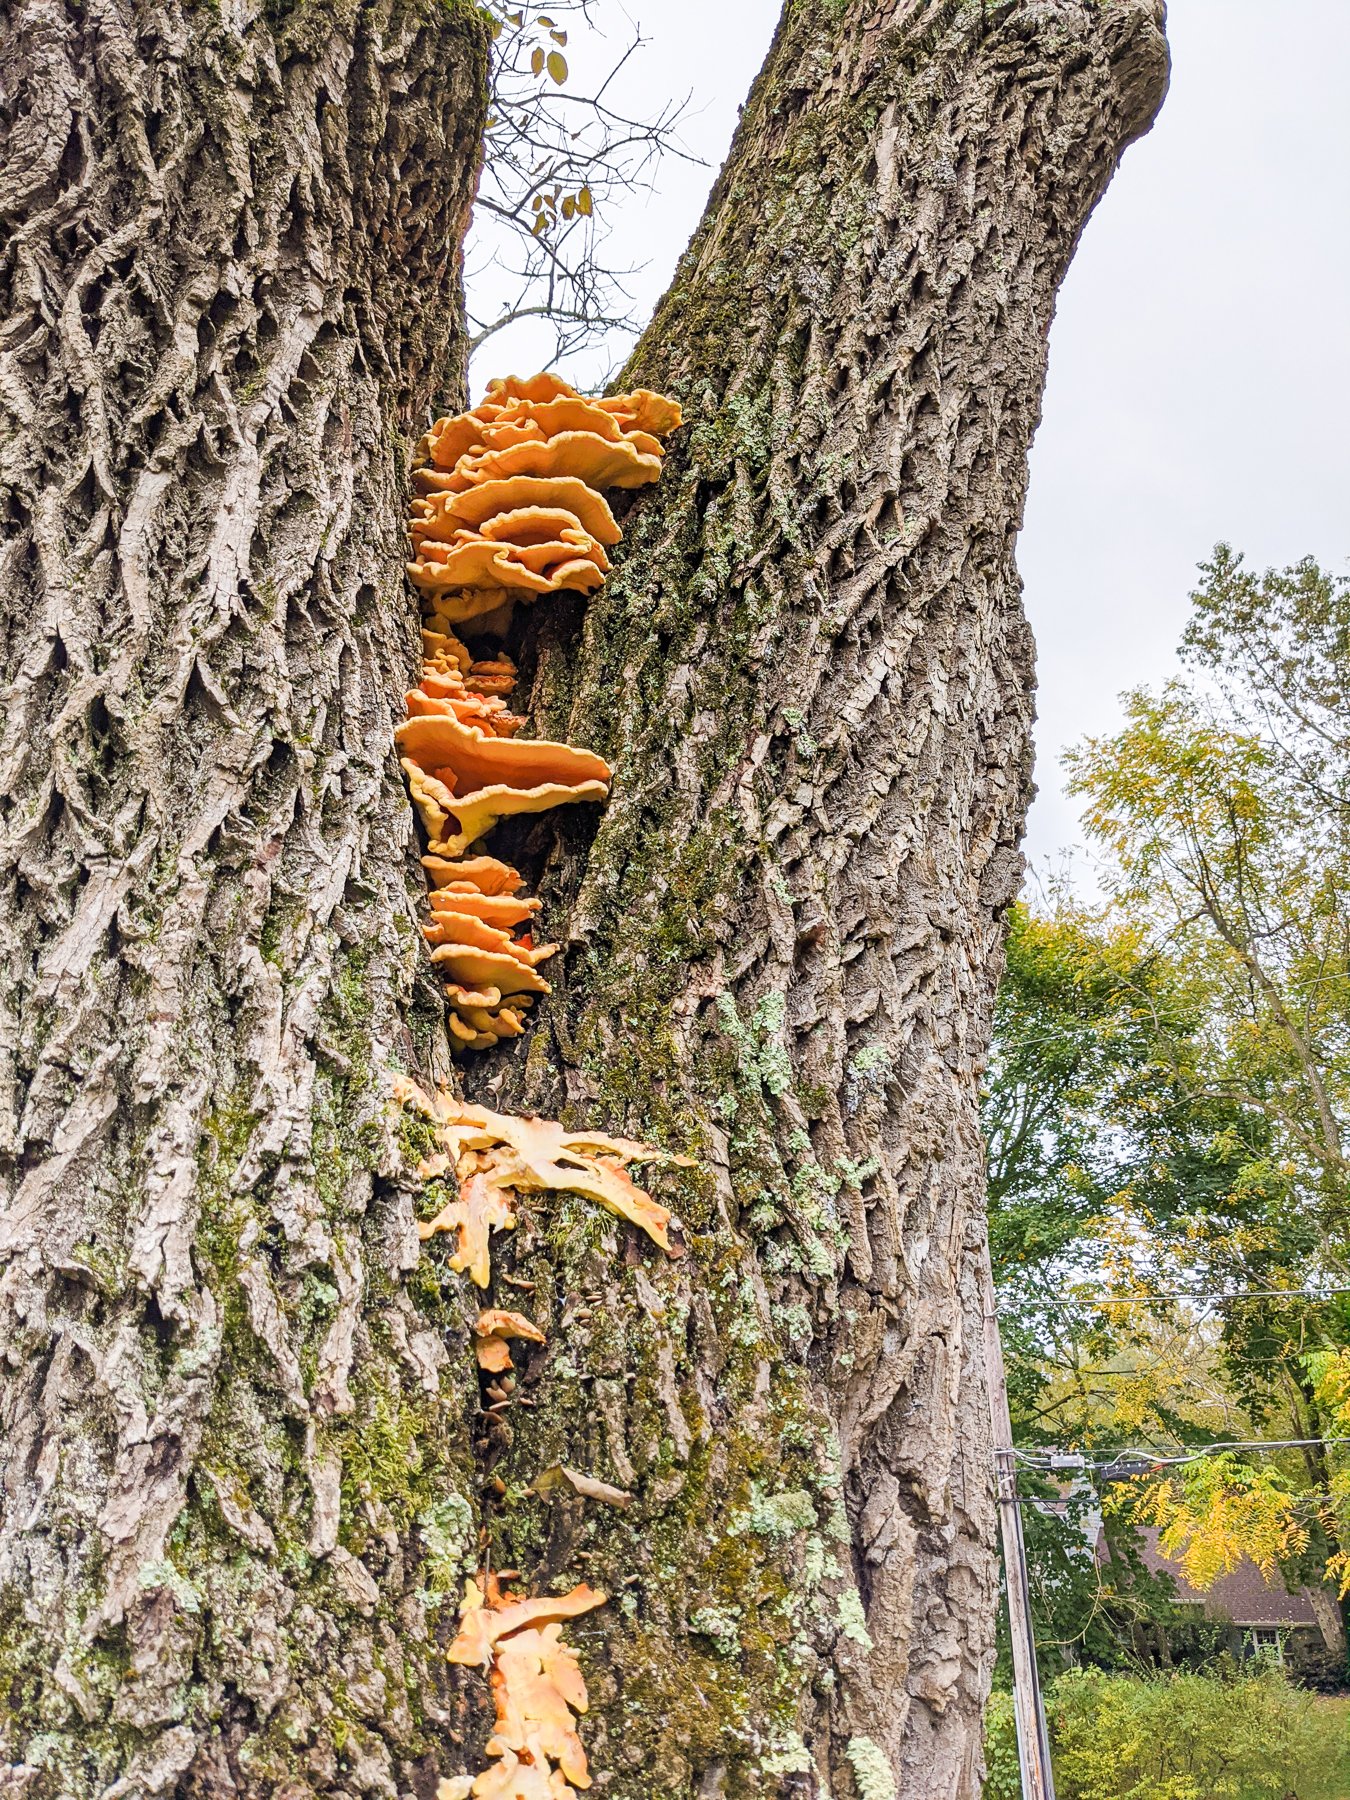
<point>495,1158</point>
<point>480,1209</point>
<point>493,1330</point>
<point>508,507</point>
<point>537,1688</point>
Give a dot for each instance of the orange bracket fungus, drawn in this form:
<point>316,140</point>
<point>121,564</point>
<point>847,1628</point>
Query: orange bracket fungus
<point>496,1157</point>
<point>537,1688</point>
<point>493,1330</point>
<point>508,506</point>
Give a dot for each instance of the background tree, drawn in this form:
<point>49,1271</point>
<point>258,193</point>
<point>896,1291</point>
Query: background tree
<point>1223,804</point>
<point>1168,1100</point>
<point>239,1496</point>
<point>1223,815</point>
<point>1107,1173</point>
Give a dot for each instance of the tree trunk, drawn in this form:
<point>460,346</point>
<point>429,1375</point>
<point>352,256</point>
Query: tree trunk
<point>813,674</point>
<point>1325,1601</point>
<point>239,1481</point>
<point>230,284</point>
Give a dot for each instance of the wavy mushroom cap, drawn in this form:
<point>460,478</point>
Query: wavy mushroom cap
<point>568,412</point>
<point>476,814</point>
<point>528,525</point>
<point>444,741</point>
<point>480,564</point>
<point>463,928</point>
<point>546,386</point>
<point>643,410</point>
<point>440,695</point>
<point>471,507</point>
<point>443,653</point>
<point>486,873</point>
<point>500,910</point>
<point>478,1019</point>
<point>432,799</point>
<point>469,966</point>
<point>491,428</point>
<point>584,455</point>
<point>450,606</point>
<point>473,999</point>
<point>495,1321</point>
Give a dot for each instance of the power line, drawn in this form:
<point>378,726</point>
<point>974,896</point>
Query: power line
<point>1072,1299</point>
<point>1174,1377</point>
<point>1063,1461</point>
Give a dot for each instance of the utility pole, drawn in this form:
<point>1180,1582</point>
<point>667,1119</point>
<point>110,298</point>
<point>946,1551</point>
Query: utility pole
<point>1033,1741</point>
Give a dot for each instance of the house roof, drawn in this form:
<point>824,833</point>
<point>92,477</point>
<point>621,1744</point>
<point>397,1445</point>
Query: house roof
<point>1244,1596</point>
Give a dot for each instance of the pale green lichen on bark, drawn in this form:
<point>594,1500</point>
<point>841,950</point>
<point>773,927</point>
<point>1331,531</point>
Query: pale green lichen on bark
<point>871,1770</point>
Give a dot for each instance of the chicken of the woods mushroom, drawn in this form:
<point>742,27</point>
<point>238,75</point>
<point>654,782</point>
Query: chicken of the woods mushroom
<point>508,507</point>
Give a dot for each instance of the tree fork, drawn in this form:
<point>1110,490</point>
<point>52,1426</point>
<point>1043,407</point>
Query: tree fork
<point>239,1482</point>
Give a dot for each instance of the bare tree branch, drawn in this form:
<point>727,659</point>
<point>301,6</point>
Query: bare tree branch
<point>558,161</point>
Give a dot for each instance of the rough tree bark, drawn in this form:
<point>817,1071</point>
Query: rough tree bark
<point>240,1482</point>
<point>814,676</point>
<point>230,292</point>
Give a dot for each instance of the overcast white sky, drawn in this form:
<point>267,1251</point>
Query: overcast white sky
<point>1200,361</point>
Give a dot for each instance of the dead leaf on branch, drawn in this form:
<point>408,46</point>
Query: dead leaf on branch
<point>553,1480</point>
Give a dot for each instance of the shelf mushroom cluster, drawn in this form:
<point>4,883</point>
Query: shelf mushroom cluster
<point>508,507</point>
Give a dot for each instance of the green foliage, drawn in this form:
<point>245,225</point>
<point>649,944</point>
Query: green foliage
<point>1278,647</point>
<point>1104,1165</point>
<point>1227,819</point>
<point>1183,1737</point>
<point>1111,1163</point>
<point>1194,1737</point>
<point>1224,808</point>
<point>1167,1106</point>
<point>1085,1610</point>
<point>1003,1775</point>
<point>1094,1111</point>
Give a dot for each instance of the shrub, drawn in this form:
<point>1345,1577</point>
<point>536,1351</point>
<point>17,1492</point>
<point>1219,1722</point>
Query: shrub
<point>1003,1777</point>
<point>1184,1737</point>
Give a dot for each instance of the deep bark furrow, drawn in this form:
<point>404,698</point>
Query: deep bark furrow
<point>238,1493</point>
